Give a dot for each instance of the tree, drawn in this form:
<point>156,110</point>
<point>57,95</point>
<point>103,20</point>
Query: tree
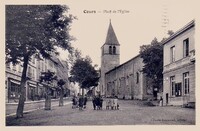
<point>48,78</point>
<point>34,30</point>
<point>73,56</point>
<point>62,75</point>
<point>152,55</point>
<point>170,32</point>
<point>84,73</point>
<point>60,84</point>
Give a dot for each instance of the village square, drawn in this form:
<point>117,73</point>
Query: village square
<point>154,87</point>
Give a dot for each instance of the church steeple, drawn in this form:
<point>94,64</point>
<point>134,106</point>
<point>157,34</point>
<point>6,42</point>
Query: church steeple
<point>111,38</point>
<point>110,56</point>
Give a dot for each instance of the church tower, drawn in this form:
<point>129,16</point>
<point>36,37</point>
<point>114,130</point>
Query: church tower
<point>110,53</point>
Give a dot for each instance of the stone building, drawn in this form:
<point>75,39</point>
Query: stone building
<point>34,89</point>
<point>126,80</point>
<point>179,67</point>
<point>109,56</point>
<point>13,78</point>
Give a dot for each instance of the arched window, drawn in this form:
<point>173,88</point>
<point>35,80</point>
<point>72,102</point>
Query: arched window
<point>114,50</point>
<point>110,49</point>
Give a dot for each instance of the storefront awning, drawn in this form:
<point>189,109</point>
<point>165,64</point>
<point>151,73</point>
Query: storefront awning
<point>40,85</point>
<point>16,82</point>
<point>53,89</point>
<point>32,85</point>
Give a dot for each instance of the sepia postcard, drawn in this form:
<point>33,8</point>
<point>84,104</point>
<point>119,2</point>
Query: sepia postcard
<point>100,65</point>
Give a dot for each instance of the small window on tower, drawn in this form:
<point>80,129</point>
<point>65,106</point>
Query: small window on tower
<point>114,50</point>
<point>110,49</point>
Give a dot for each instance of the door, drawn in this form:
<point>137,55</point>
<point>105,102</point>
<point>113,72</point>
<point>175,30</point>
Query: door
<point>167,98</point>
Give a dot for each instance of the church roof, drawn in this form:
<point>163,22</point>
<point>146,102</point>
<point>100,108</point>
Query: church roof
<point>111,38</point>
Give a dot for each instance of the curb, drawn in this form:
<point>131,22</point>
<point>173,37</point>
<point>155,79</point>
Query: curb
<point>32,102</point>
<point>13,114</point>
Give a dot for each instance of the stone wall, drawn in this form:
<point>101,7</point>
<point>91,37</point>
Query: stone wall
<point>122,80</point>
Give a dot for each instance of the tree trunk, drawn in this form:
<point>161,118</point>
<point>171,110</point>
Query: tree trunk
<point>48,100</point>
<point>22,93</point>
<point>61,97</point>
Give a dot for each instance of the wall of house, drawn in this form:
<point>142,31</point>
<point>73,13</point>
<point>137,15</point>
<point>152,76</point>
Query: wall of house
<point>178,73</point>
<point>34,89</point>
<point>178,67</point>
<point>178,43</point>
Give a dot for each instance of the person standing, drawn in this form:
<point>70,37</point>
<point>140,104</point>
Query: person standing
<point>85,102</point>
<point>100,102</point>
<point>94,102</point>
<point>80,103</point>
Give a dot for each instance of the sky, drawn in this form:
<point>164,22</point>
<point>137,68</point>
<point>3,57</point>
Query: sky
<point>139,25</point>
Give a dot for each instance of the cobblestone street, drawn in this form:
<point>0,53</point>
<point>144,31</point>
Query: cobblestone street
<point>130,113</point>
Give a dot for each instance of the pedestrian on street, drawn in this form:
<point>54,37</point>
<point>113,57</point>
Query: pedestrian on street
<point>108,104</point>
<point>97,102</point>
<point>80,103</point>
<point>94,102</point>
<point>161,101</point>
<point>85,102</point>
<point>74,102</point>
<point>101,102</point>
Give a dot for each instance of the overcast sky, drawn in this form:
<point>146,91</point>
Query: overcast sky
<point>139,26</point>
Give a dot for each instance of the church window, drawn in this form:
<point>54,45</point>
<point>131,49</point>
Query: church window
<point>114,50</point>
<point>110,49</point>
<point>119,83</point>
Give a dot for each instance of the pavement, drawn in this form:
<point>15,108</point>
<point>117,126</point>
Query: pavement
<point>30,106</point>
<point>131,112</point>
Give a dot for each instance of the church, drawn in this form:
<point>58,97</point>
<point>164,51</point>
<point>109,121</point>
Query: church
<point>126,81</point>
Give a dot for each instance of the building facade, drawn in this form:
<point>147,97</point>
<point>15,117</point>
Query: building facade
<point>35,90</point>
<point>126,80</point>
<point>179,67</point>
<point>13,78</point>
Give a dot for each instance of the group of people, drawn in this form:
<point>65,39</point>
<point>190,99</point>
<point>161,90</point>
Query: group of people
<point>97,101</point>
<point>112,104</point>
<point>79,102</point>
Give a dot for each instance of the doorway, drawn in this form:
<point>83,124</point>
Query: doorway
<point>167,98</point>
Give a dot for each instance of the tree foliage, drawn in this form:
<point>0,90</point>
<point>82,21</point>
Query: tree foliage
<point>48,77</point>
<point>74,55</point>
<point>170,32</point>
<point>35,30</point>
<point>61,82</point>
<point>152,55</point>
<point>84,73</point>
